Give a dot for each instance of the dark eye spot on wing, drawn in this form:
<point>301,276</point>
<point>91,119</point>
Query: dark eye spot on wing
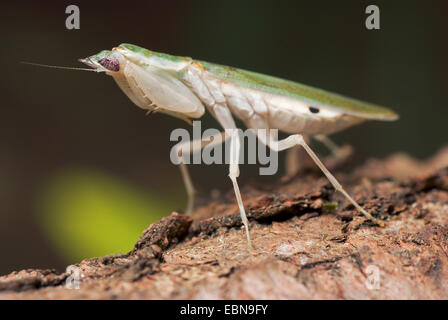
<point>314,110</point>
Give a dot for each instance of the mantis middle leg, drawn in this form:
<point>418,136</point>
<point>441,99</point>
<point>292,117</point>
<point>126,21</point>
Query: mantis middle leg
<point>224,117</point>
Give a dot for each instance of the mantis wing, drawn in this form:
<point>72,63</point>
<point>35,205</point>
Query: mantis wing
<point>297,91</point>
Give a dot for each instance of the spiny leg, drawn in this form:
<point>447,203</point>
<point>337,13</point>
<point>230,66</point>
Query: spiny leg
<point>297,139</point>
<point>191,147</point>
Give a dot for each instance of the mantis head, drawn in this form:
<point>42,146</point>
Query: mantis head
<point>105,61</point>
<point>149,79</point>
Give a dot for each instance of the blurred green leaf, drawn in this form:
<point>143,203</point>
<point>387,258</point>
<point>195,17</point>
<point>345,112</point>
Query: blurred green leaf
<point>90,214</point>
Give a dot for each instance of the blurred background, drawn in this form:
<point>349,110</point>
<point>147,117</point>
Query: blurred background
<point>83,171</point>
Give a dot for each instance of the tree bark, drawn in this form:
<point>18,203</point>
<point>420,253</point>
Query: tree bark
<point>310,243</point>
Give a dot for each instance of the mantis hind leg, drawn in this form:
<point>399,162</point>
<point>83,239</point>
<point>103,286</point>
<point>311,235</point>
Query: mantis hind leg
<point>292,161</point>
<point>330,144</point>
<point>297,139</point>
<point>296,159</point>
<point>295,156</point>
<point>341,153</point>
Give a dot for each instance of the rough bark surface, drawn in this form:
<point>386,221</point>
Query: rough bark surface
<point>307,247</point>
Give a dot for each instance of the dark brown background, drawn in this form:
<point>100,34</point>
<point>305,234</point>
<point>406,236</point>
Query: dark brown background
<point>53,119</point>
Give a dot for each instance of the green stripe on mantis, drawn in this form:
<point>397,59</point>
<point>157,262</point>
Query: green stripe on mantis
<point>147,53</point>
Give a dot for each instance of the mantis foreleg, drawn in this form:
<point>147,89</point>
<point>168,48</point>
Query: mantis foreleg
<point>191,147</point>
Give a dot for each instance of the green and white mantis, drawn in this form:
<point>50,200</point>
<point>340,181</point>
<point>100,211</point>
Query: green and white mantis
<point>184,88</point>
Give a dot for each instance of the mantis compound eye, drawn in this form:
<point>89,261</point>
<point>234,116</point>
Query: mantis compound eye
<point>110,62</point>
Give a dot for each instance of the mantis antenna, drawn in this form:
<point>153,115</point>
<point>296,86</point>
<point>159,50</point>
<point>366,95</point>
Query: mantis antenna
<point>58,67</point>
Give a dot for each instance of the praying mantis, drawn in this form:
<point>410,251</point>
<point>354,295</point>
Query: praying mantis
<point>184,88</point>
